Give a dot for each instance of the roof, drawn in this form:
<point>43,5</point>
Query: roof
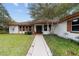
<point>41,21</point>
<point>21,23</point>
<point>50,21</point>
<point>69,17</point>
<point>44,21</point>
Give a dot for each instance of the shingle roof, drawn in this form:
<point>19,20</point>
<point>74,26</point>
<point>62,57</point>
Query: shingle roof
<point>44,21</point>
<point>34,22</point>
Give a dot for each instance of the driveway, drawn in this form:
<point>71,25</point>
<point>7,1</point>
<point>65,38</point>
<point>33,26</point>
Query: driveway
<point>39,47</point>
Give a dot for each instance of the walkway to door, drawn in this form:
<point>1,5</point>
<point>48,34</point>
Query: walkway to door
<point>39,47</point>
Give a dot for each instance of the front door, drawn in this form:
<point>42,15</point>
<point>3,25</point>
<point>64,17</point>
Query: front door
<point>38,29</point>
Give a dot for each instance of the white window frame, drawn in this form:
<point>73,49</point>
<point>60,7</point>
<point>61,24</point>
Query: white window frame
<point>74,25</point>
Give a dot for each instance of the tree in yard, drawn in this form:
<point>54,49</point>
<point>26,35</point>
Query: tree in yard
<point>5,18</point>
<point>41,11</point>
<point>50,10</point>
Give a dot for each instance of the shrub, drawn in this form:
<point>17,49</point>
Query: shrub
<point>29,33</point>
<point>25,33</point>
<point>3,32</point>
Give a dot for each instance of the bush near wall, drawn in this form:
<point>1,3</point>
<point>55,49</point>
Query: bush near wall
<point>28,33</point>
<point>3,30</point>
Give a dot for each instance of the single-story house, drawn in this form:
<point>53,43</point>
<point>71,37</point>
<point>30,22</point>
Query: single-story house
<point>67,27</point>
<point>35,26</point>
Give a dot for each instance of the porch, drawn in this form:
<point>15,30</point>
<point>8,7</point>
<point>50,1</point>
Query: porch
<point>42,28</point>
<point>36,29</point>
<point>35,26</point>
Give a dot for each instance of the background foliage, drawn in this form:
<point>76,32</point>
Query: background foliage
<point>5,19</point>
<point>52,10</point>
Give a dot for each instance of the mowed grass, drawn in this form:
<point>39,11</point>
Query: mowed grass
<point>15,45</point>
<point>61,46</point>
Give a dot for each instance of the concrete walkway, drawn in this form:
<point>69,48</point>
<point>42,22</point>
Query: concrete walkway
<point>39,47</point>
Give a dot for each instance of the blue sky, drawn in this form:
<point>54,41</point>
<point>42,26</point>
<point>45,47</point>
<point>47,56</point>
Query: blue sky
<point>18,11</point>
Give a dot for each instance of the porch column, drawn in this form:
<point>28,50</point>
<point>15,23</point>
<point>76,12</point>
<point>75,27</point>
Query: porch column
<point>42,27</point>
<point>47,27</point>
<point>33,32</point>
<point>34,28</point>
<point>28,28</point>
<point>25,28</point>
<point>52,29</point>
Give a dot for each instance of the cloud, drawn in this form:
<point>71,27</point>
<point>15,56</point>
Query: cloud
<point>19,10</point>
<point>16,4</point>
<point>26,5</point>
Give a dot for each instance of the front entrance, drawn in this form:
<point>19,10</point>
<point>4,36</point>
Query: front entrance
<point>39,29</point>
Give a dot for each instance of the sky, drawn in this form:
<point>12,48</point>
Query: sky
<point>18,11</point>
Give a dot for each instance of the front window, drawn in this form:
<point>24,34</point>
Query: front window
<point>13,29</point>
<point>29,28</point>
<point>75,24</point>
<point>23,28</point>
<point>20,28</point>
<point>50,27</point>
<point>45,27</point>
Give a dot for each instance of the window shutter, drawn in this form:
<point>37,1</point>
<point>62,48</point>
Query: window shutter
<point>69,26</point>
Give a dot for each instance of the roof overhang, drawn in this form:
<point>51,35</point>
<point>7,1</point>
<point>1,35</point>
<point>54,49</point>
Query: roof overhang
<point>69,17</point>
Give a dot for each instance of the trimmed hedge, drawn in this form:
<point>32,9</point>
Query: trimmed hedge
<point>28,33</point>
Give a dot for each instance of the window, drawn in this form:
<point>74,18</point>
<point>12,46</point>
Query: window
<point>23,28</point>
<point>29,28</point>
<point>45,27</point>
<point>20,28</point>
<point>75,24</point>
<point>50,27</point>
<point>13,29</point>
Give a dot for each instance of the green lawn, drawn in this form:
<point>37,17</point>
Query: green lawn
<point>15,45</point>
<point>61,46</point>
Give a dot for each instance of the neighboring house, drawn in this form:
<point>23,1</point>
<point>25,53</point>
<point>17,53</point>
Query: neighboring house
<point>68,27</point>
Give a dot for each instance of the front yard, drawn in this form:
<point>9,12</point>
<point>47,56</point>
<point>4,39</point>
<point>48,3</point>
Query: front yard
<point>15,44</point>
<point>61,46</point>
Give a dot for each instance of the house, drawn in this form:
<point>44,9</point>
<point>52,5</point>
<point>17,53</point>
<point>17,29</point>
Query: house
<point>35,26</point>
<point>68,27</point>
